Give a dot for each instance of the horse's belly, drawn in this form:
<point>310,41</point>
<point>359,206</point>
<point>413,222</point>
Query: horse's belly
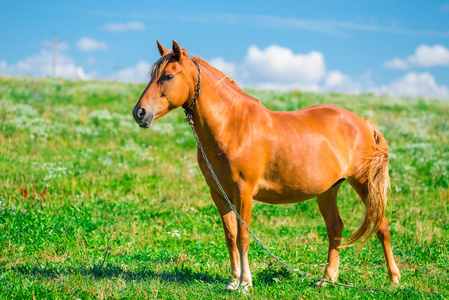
<point>283,196</point>
<point>286,191</point>
<point>297,173</point>
<point>297,183</point>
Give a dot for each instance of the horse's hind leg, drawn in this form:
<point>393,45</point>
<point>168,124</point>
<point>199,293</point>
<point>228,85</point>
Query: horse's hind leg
<point>327,203</point>
<point>384,237</point>
<point>383,234</point>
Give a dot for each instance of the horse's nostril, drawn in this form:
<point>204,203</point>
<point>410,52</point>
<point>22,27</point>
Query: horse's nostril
<point>141,113</point>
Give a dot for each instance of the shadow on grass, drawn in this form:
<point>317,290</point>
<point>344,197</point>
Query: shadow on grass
<point>272,274</point>
<point>180,274</point>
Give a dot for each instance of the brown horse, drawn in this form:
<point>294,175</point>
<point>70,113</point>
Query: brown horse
<point>273,157</point>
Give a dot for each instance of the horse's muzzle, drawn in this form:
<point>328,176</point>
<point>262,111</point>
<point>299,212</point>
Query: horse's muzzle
<point>142,117</point>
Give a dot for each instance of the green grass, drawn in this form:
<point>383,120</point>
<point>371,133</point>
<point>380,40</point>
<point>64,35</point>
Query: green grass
<point>117,193</point>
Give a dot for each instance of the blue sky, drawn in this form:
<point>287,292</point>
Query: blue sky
<point>384,47</point>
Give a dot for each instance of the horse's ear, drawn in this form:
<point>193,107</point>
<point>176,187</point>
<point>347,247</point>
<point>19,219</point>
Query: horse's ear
<point>162,49</point>
<point>177,52</point>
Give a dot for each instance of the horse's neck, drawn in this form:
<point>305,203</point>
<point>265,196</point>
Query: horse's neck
<point>219,108</point>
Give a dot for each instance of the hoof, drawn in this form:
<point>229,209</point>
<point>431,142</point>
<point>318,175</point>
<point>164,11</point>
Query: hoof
<point>394,276</point>
<point>394,280</point>
<point>245,288</point>
<point>320,284</point>
<point>232,286</point>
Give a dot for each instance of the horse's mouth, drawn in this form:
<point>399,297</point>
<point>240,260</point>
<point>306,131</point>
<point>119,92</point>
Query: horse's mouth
<point>144,125</point>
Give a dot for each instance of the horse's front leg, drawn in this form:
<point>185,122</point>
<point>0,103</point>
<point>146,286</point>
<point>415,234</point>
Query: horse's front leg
<point>244,204</point>
<point>230,230</point>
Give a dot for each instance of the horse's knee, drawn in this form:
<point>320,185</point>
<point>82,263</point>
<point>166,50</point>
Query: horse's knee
<point>229,227</point>
<point>243,242</point>
<point>335,229</point>
<point>339,226</point>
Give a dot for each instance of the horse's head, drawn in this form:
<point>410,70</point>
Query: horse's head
<point>172,84</point>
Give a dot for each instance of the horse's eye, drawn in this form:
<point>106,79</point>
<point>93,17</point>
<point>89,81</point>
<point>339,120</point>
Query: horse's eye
<point>169,77</point>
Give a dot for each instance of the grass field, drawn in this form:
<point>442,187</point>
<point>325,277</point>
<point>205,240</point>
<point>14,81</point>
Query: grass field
<point>127,214</point>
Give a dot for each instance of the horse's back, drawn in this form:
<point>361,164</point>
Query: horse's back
<point>320,113</point>
<point>335,124</point>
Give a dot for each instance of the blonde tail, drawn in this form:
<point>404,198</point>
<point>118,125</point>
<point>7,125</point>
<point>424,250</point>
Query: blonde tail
<point>377,185</point>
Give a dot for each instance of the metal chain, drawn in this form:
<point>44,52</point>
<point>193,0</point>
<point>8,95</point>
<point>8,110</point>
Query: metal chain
<point>189,111</point>
<point>189,119</point>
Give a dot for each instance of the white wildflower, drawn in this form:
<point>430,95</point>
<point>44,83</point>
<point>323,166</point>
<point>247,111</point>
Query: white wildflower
<point>175,233</point>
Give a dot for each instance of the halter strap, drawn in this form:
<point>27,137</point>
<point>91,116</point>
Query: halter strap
<point>189,111</point>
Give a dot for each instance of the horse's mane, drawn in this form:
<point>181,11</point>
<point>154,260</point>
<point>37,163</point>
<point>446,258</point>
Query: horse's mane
<point>222,76</point>
<point>204,62</point>
<point>162,62</point>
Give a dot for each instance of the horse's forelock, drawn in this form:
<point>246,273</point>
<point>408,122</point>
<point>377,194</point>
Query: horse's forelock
<point>160,65</point>
<point>162,62</point>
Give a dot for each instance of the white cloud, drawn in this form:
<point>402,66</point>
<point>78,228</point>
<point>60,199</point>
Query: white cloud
<point>118,27</point>
<point>277,68</point>
<point>280,65</point>
<point>41,65</point>
<point>424,56</point>
<point>87,44</point>
<point>428,56</point>
<point>281,69</point>
<point>336,81</point>
<point>396,63</point>
<point>309,87</point>
<point>138,73</point>
<point>414,85</point>
<point>228,68</point>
